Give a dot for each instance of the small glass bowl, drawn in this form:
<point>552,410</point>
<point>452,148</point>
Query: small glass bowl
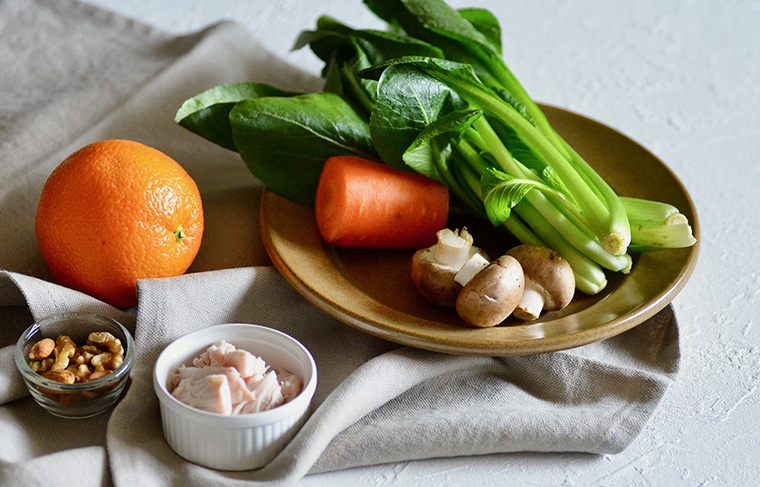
<point>80,399</point>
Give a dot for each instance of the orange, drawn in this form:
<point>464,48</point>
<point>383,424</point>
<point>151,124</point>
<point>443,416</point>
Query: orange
<point>116,211</point>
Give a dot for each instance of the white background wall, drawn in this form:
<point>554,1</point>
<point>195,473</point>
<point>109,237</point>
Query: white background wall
<point>680,77</point>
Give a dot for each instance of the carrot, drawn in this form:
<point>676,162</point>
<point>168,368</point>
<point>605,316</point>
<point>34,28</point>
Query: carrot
<point>362,203</point>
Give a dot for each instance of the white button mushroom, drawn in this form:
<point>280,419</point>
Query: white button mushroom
<point>549,281</point>
<point>433,269</point>
<point>492,294</point>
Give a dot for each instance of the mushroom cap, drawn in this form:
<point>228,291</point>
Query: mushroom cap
<point>492,294</point>
<point>550,273</point>
<point>433,281</point>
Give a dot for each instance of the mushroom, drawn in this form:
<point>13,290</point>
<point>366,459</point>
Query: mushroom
<point>549,281</point>
<point>433,269</point>
<point>492,294</point>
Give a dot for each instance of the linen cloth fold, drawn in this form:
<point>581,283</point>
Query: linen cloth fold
<point>106,76</point>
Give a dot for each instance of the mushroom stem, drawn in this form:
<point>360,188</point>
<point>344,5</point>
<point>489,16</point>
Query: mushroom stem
<point>453,247</point>
<point>531,303</point>
<point>475,264</point>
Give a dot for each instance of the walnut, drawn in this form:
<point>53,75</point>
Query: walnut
<point>105,341</point>
<point>41,365</point>
<point>103,361</point>
<point>64,350</point>
<point>82,372</point>
<point>83,356</point>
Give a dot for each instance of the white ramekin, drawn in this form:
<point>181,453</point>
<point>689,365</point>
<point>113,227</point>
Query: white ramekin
<point>237,442</point>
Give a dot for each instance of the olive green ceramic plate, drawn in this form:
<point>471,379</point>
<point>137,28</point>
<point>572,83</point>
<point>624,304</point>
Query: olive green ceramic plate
<point>371,289</point>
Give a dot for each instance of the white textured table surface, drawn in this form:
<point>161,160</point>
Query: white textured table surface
<point>681,78</point>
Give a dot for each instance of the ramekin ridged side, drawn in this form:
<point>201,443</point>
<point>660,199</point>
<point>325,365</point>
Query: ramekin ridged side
<point>239,448</point>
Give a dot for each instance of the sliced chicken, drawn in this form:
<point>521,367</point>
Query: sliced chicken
<point>227,380</point>
<point>209,393</point>
<point>214,355</point>
<point>238,388</point>
<point>291,384</point>
<point>245,362</point>
<point>266,393</point>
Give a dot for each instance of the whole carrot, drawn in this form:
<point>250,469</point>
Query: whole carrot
<point>362,203</point>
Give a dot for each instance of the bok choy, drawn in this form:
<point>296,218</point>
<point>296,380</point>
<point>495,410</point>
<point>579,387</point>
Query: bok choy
<point>432,94</point>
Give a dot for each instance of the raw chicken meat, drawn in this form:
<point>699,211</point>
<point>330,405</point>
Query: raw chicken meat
<point>210,393</point>
<point>290,384</point>
<point>228,380</point>
<point>267,393</point>
<point>238,389</point>
<point>224,354</point>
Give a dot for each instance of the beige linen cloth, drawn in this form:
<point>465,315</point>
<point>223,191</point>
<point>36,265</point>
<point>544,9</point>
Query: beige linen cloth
<point>72,74</point>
